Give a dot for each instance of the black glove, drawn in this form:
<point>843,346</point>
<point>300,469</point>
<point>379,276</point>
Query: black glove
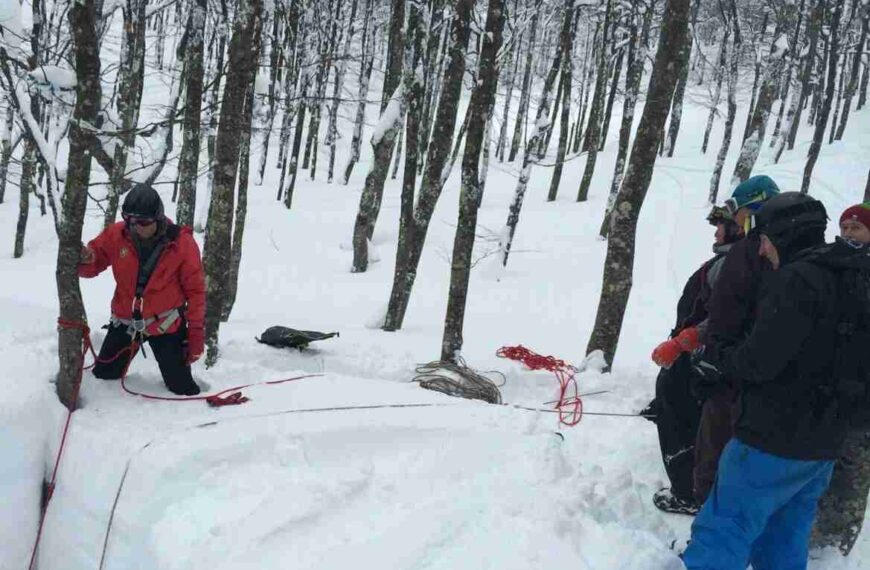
<point>707,377</point>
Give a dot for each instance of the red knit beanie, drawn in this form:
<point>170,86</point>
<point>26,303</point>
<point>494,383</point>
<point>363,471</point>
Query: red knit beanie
<point>859,213</point>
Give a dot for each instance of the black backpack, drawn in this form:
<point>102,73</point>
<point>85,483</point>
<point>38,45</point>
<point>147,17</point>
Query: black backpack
<point>285,337</point>
<point>851,365</point>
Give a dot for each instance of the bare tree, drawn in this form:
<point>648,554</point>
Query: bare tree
<point>241,70</point>
<point>82,19</point>
<point>382,142</point>
<point>525,93</point>
<point>619,262</point>
<point>188,163</point>
<point>855,71</point>
<point>412,233</point>
<point>825,111</point>
<point>367,60</point>
<point>566,39</point>
<point>471,192</point>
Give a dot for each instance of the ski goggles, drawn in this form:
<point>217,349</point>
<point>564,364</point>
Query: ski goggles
<point>138,220</point>
<point>732,204</point>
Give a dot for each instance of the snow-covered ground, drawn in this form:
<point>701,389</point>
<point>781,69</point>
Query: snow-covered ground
<point>281,482</point>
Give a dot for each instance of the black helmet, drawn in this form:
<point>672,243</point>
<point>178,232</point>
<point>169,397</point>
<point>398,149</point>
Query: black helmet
<point>788,212</point>
<point>143,201</point>
<point>792,221</point>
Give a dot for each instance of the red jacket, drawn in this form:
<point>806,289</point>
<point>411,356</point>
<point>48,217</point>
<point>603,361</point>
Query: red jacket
<point>177,278</point>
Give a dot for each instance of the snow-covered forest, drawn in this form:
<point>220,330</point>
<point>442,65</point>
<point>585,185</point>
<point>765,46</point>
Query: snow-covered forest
<point>435,179</point>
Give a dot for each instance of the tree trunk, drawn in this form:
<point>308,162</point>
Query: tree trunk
<point>212,118</point>
<point>398,153</point>
<point>26,188</point>
<point>544,101</point>
<point>188,163</point>
<point>732,106</point>
<point>618,264</point>
<point>814,26</point>
<point>840,90</point>
<point>525,94</point>
<point>241,204</point>
<point>822,119</point>
<point>754,138</point>
<point>471,192</point>
<point>679,93</point>
<point>717,91</point>
<point>332,128</point>
<point>382,142</point>
<point>611,97</point>
<point>637,52</point>
<point>593,128</point>
<point>791,64</point>
<point>855,73</point>
<point>241,70</point>
<point>501,144</point>
<point>301,106</point>
<point>751,113</point>
<point>131,75</point>
<point>867,189</point>
<point>6,149</point>
<point>365,73</point>
<point>566,45</point>
<point>412,236</point>
<point>513,219</point>
<point>82,19</point>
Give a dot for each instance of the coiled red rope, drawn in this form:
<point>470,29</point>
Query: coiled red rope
<point>569,404</point>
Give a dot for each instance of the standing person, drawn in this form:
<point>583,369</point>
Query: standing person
<point>787,431</point>
<point>842,508</point>
<point>159,290</point>
<point>676,411</point>
<point>732,310</point>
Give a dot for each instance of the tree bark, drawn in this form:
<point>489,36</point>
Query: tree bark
<point>6,147</point>
<point>593,129</point>
<point>566,40</point>
<point>618,264</point>
<point>717,90</point>
<point>679,93</point>
<point>131,75</point>
<point>365,73</point>
<point>525,94</point>
<point>373,190</point>
<point>513,219</point>
<point>188,163</point>
<point>241,71</point>
<point>27,187</point>
<point>471,191</point>
<point>412,236</point>
<point>732,106</point>
<point>825,111</point>
<point>82,19</point>
<point>754,137</point>
<point>855,73</point>
<point>637,52</point>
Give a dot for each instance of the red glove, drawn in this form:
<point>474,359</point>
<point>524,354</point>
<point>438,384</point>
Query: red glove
<point>669,351</point>
<point>195,344</point>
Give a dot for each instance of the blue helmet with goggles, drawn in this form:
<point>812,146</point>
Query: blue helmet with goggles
<point>751,193</point>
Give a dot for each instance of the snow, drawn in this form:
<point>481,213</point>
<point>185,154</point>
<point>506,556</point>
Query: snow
<point>391,116</point>
<point>780,47</point>
<point>10,24</point>
<point>294,478</point>
<point>58,77</point>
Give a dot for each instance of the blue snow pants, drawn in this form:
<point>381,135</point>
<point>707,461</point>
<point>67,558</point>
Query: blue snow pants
<point>761,510</point>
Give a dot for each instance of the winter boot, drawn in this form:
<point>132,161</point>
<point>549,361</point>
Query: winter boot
<point>665,501</point>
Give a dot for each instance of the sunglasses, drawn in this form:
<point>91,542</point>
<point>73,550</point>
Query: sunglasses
<point>138,220</point>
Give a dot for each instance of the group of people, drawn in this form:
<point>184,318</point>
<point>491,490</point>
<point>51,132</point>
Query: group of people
<point>751,409</point>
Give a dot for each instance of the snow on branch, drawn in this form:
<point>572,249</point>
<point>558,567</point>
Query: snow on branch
<point>54,76</point>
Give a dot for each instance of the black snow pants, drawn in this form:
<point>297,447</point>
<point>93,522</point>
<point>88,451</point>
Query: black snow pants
<point>678,414</point>
<point>168,349</point>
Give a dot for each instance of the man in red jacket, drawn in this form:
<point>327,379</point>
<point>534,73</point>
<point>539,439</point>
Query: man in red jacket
<point>159,290</point>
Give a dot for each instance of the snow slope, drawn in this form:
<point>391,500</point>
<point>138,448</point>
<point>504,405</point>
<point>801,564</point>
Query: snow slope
<point>452,484</point>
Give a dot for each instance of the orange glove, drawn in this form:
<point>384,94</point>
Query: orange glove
<point>669,351</point>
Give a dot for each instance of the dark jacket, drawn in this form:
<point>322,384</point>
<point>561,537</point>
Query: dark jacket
<point>785,366</point>
<point>692,307</point>
<point>732,305</point>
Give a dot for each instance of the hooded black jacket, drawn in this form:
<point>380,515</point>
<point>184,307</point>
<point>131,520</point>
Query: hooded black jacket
<point>786,405</point>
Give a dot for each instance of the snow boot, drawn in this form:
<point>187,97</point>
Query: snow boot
<point>665,501</point>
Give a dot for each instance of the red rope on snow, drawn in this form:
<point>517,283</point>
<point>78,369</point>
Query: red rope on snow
<point>569,404</point>
<point>214,400</point>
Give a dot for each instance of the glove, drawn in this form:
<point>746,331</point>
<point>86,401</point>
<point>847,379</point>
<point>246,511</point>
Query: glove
<point>194,344</point>
<point>669,351</point>
<point>87,256</point>
<point>707,379</point>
